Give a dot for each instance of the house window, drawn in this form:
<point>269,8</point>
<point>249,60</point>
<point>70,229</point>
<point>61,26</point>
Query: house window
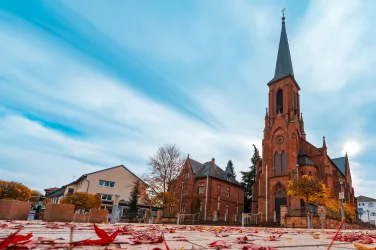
<point>185,188</point>
<point>228,192</point>
<point>301,173</point>
<point>70,191</point>
<point>309,173</point>
<point>186,174</point>
<point>363,204</point>
<point>201,188</point>
<point>183,208</point>
<point>370,204</point>
<point>106,183</point>
<point>106,197</point>
<point>200,207</point>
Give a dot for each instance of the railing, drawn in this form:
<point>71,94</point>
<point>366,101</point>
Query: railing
<point>247,217</point>
<point>181,217</point>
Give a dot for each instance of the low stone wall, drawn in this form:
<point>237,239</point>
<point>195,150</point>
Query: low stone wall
<point>83,218</point>
<point>14,210</point>
<point>98,215</point>
<point>168,220</point>
<point>302,222</point>
<point>59,212</point>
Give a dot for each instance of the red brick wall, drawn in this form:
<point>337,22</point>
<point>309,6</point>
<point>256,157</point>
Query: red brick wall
<point>192,198</point>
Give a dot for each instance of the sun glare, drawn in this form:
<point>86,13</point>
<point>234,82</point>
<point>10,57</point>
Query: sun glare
<point>351,147</point>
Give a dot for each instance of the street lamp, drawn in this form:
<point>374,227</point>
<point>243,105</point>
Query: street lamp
<point>297,171</point>
<point>342,197</point>
<point>369,220</point>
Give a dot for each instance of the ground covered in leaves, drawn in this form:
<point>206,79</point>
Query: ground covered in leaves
<point>42,235</point>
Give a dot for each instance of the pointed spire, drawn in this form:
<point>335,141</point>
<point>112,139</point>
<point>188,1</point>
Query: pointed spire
<point>301,117</point>
<point>284,64</point>
<point>188,156</point>
<point>323,142</point>
<point>266,114</point>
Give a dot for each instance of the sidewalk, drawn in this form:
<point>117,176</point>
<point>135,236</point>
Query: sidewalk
<point>139,236</point>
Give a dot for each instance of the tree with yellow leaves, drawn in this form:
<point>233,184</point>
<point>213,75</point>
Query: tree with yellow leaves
<point>14,191</point>
<point>164,199</point>
<point>82,200</point>
<point>308,188</point>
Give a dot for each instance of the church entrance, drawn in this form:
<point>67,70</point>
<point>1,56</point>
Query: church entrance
<point>279,201</point>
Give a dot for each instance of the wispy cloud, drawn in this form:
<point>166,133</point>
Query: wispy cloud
<point>88,88</point>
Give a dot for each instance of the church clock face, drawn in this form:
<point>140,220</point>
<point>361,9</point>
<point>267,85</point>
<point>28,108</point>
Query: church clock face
<point>280,140</point>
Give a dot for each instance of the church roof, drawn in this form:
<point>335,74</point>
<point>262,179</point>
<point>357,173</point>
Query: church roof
<point>283,66</point>
<point>340,163</point>
<point>303,159</point>
<point>208,169</point>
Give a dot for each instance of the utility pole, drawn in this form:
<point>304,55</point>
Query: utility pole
<point>342,198</point>
<point>266,208</point>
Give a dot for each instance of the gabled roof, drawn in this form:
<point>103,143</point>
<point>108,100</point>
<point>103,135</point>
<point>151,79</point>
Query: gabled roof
<point>340,162</point>
<point>57,193</point>
<point>85,175</point>
<point>208,169</point>
<point>364,199</point>
<point>283,66</point>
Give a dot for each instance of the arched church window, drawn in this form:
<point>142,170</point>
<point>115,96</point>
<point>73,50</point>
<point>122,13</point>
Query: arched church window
<point>280,194</point>
<point>283,161</point>
<point>280,101</point>
<point>276,163</point>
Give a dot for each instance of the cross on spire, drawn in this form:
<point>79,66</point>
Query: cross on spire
<point>283,14</point>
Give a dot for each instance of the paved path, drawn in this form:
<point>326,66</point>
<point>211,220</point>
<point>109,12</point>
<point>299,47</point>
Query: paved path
<point>138,236</point>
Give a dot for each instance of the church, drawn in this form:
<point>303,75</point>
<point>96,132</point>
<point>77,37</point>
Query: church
<point>286,152</point>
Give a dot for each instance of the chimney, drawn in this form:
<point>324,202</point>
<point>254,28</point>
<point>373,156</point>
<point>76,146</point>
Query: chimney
<point>213,161</point>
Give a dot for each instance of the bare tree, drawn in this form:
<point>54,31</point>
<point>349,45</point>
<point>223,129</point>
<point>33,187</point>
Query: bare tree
<point>166,165</point>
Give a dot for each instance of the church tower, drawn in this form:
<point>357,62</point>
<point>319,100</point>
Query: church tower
<point>284,129</point>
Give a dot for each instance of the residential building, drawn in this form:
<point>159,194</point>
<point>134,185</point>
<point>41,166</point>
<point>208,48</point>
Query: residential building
<point>117,180</point>
<point>50,190</point>
<point>368,207</point>
<point>286,152</point>
<point>207,189</point>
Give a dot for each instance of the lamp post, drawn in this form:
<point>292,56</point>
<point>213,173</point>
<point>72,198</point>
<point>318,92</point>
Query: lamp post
<point>342,197</point>
<point>297,171</point>
<point>369,222</point>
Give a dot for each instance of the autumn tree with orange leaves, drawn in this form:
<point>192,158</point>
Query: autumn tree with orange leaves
<point>82,201</point>
<point>14,191</point>
<point>308,188</point>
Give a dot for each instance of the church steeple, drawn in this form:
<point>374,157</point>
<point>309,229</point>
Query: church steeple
<point>283,66</point>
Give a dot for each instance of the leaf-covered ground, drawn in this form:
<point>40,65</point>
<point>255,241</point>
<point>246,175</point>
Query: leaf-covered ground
<point>42,235</point>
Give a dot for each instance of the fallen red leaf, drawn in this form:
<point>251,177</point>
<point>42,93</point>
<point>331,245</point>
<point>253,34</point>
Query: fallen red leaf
<point>255,247</point>
<point>219,243</point>
<point>14,238</point>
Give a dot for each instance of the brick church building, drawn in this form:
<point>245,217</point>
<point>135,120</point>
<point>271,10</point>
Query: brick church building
<point>286,153</point>
<point>207,189</point>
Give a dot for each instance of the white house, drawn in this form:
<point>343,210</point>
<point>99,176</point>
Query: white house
<point>368,206</point>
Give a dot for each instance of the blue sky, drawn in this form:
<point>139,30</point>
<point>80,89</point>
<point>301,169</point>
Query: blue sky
<point>86,85</point>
